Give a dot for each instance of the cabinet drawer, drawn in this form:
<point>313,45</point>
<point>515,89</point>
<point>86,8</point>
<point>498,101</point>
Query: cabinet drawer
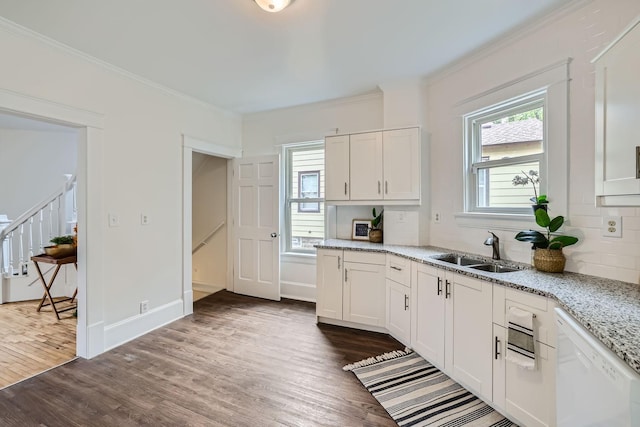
<point>544,326</point>
<point>365,257</point>
<point>399,270</point>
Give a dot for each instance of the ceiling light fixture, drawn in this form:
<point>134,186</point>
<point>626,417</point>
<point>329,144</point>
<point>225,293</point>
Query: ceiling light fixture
<point>273,5</point>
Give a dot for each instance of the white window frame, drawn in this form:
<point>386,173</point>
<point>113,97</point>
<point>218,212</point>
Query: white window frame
<point>555,79</point>
<point>289,198</point>
<point>474,165</point>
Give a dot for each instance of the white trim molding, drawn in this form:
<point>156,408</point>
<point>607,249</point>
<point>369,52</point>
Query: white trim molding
<point>133,327</point>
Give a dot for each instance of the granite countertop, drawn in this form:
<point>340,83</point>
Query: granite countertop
<point>609,309</point>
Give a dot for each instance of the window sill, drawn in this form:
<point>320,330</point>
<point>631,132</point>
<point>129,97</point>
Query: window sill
<point>510,222</point>
<point>298,257</point>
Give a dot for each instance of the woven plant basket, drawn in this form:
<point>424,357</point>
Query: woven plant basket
<point>375,235</point>
<point>549,260</point>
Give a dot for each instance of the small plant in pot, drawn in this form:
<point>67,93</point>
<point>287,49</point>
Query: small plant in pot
<point>375,233</point>
<point>548,254</point>
<point>63,246</point>
<point>539,201</point>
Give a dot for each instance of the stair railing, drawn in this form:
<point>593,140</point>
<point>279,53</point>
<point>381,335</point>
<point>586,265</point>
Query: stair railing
<point>49,218</point>
<point>204,241</point>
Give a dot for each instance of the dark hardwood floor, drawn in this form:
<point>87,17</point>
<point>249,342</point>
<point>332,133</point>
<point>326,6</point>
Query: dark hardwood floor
<point>237,361</point>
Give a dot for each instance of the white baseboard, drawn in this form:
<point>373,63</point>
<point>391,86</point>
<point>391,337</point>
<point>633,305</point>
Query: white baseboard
<point>298,291</point>
<point>94,341</point>
<point>352,325</point>
<point>206,287</point>
<point>136,326</point>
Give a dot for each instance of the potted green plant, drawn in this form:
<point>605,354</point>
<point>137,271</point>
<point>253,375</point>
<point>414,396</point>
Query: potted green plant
<point>539,201</point>
<point>63,246</point>
<point>375,233</point>
<point>547,247</point>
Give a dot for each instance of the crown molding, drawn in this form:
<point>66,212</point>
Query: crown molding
<point>17,29</point>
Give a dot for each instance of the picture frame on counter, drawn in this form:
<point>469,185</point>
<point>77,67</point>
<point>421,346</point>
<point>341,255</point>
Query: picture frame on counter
<point>360,229</point>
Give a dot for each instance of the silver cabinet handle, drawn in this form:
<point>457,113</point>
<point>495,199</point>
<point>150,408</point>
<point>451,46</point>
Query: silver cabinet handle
<point>345,275</point>
<point>406,302</point>
<point>345,188</point>
<point>386,187</point>
<point>338,263</point>
<point>496,344</point>
<point>447,287</point>
<point>396,268</point>
<point>439,286</point>
<point>378,187</point>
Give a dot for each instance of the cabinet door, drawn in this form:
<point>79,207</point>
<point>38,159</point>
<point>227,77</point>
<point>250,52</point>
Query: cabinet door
<point>469,334</point>
<point>499,371</point>
<point>398,311</point>
<point>365,159</point>
<point>364,294</point>
<point>428,312</point>
<point>336,167</point>
<point>329,265</point>
<point>401,158</point>
<point>617,112</point>
<point>530,395</point>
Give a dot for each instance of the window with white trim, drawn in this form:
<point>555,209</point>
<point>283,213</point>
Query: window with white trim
<point>501,142</point>
<point>304,196</point>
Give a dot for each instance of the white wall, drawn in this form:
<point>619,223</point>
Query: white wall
<point>579,34</point>
<point>264,133</point>
<point>135,167</point>
<point>209,192</point>
<point>32,166</point>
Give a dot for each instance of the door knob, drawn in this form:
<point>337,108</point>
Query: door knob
<point>274,235</point>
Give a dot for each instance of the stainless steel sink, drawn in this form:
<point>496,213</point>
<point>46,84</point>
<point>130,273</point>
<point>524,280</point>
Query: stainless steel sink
<point>493,268</point>
<point>460,260</point>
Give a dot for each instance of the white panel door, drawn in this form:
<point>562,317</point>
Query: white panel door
<point>256,265</point>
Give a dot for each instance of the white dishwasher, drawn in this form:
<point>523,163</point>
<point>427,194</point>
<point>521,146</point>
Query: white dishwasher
<point>593,386</point>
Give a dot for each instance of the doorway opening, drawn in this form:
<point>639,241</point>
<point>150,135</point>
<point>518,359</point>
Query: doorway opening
<point>38,201</point>
<point>209,224</point>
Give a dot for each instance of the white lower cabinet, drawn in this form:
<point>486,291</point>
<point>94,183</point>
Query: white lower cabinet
<point>399,312</point>
<point>527,396</point>
<point>363,298</point>
<point>452,326</point>
<point>456,322</point>
<point>350,286</point>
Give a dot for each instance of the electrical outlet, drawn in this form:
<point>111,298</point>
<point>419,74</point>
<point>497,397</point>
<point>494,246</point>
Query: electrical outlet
<point>144,219</point>
<point>612,226</point>
<point>114,220</point>
<point>436,217</point>
<point>144,306</point>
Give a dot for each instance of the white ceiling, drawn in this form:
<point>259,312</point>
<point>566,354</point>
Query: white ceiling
<point>232,54</point>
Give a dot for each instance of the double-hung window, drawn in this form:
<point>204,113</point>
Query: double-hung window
<point>304,196</point>
<point>501,142</point>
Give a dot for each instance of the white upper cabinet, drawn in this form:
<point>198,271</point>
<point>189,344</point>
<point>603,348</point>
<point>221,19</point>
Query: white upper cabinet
<point>617,112</point>
<point>401,157</point>
<point>366,166</point>
<point>374,166</point>
<point>336,180</point>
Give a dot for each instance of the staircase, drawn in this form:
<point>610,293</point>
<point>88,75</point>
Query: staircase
<point>27,235</point>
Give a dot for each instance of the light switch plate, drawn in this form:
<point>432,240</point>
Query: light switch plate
<point>612,226</point>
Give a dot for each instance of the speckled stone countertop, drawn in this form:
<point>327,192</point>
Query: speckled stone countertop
<point>609,309</point>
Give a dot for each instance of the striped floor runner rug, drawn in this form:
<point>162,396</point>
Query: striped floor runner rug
<point>415,393</point>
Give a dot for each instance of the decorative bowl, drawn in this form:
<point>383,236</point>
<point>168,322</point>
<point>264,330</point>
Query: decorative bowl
<point>60,251</point>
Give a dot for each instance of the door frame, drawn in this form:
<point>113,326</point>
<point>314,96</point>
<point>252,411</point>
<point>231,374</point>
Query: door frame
<point>189,146</point>
<point>90,125</point>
